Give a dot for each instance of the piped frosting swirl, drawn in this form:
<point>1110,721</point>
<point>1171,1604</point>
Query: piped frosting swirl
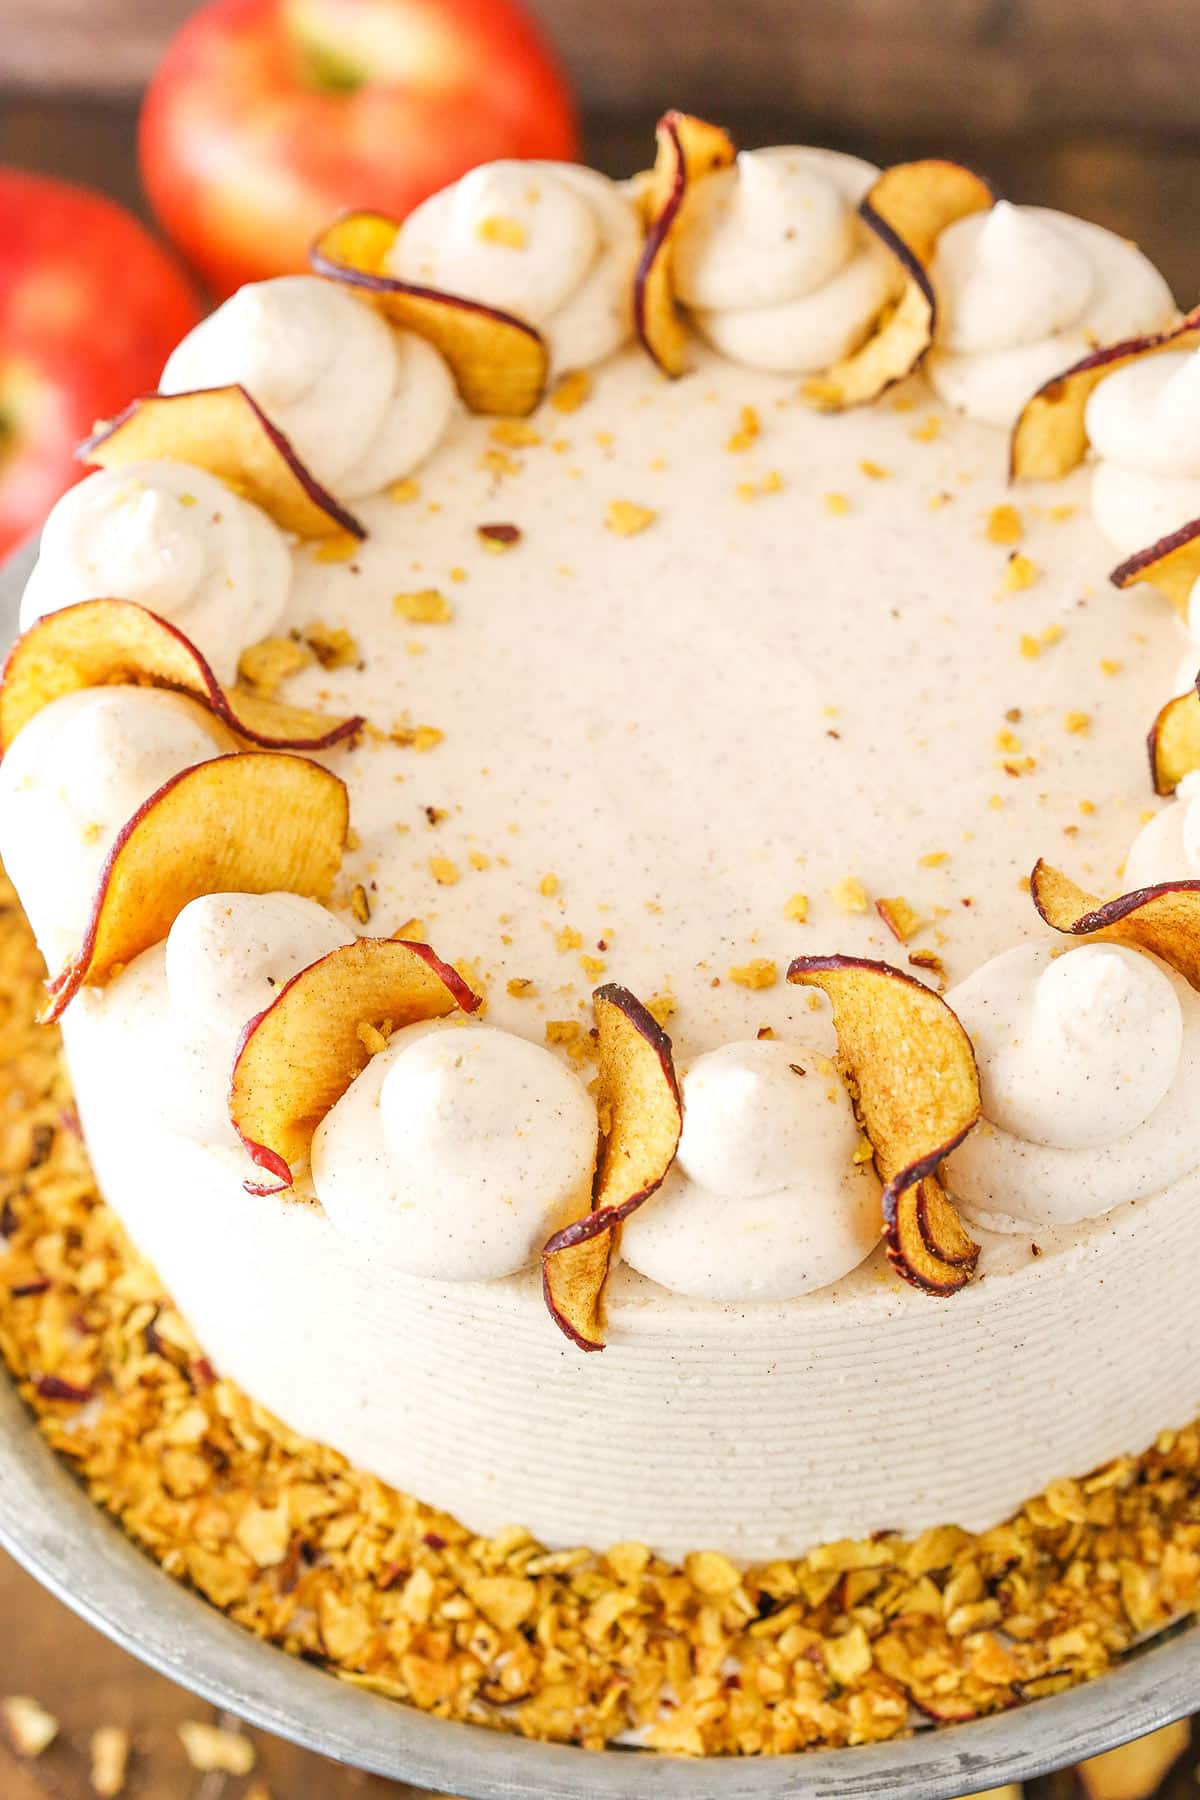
<point>774,264</point>
<point>551,243</point>
<point>361,404</point>
<point>1023,292</point>
<point>174,539</point>
<point>1088,1061</point>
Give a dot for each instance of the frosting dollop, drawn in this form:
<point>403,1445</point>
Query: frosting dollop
<point>778,270</point>
<point>1088,1061</point>
<point>76,774</point>
<point>185,1002</point>
<point>1023,292</point>
<point>1167,848</point>
<point>361,404</point>
<point>1143,422</point>
<point>765,1199</point>
<point>176,540</point>
<point>456,1152</point>
<point>554,244</point>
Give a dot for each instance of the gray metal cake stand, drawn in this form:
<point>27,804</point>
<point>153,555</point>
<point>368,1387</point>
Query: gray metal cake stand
<point>48,1523</point>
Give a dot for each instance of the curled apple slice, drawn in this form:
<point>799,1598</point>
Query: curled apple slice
<point>687,150</point>
<point>916,1089</point>
<point>1174,742</point>
<point>641,1117</point>
<point>499,362</point>
<point>223,430</point>
<point>116,643</point>
<point>297,1058</point>
<point>1164,919</point>
<point>907,207</point>
<point>1050,436</point>
<point>255,822</point>
<point>1172,565</point>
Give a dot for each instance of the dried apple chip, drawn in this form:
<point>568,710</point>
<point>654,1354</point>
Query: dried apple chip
<point>1164,919</point>
<point>687,150</point>
<point>1174,742</point>
<point>1050,436</point>
<point>907,208</point>
<point>641,1117</point>
<point>116,643</point>
<point>223,430</point>
<point>1172,565</point>
<point>916,1089</point>
<point>499,362</point>
<point>255,822</point>
<point>297,1058</point>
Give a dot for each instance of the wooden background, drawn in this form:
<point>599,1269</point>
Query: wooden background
<point>1091,105</point>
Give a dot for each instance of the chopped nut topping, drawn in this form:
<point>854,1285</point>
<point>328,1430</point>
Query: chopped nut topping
<point>749,427</point>
<point>661,1007</point>
<point>1078,723</point>
<point>416,737</point>
<point>1020,572</point>
<point>837,504</point>
<point>873,471</point>
<point>426,607</point>
<point>593,966</point>
<point>339,548</point>
<point>548,885</point>
<point>626,518</point>
<point>498,538</point>
<point>568,939</point>
<point>333,647</point>
<point>444,871</point>
<point>212,1748</point>
<point>110,1747</point>
<point>797,908</point>
<point>849,894</point>
<point>265,666</point>
<point>761,972</point>
<point>521,988</point>
<point>30,1729</point>
<point>360,906</point>
<point>571,1036</point>
<point>404,492</point>
<point>1005,525</point>
<point>571,391</point>
<point>499,229</point>
<point>901,919</point>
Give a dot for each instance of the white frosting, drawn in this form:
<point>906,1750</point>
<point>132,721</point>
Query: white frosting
<point>1143,423</point>
<point>1024,292</point>
<point>176,540</point>
<point>361,404</point>
<point>554,244</point>
<point>774,263</point>
<point>456,1152</point>
<point>1167,848</point>
<point>1088,1063</point>
<point>187,1000</point>
<point>76,774</point>
<point>765,1200</point>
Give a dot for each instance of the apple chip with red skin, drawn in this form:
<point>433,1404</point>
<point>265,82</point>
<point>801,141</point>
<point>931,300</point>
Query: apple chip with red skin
<point>499,362</point>
<point>1050,436</point>
<point>1174,742</point>
<point>297,1058</point>
<point>916,1089</point>
<point>1163,919</point>
<point>1172,565</point>
<point>117,643</point>
<point>907,207</point>
<point>223,430</point>
<point>641,1117</point>
<point>254,822</point>
<point>688,149</point>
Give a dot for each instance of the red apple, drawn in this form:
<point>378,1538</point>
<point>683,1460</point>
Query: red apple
<point>267,117</point>
<point>90,307</point>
